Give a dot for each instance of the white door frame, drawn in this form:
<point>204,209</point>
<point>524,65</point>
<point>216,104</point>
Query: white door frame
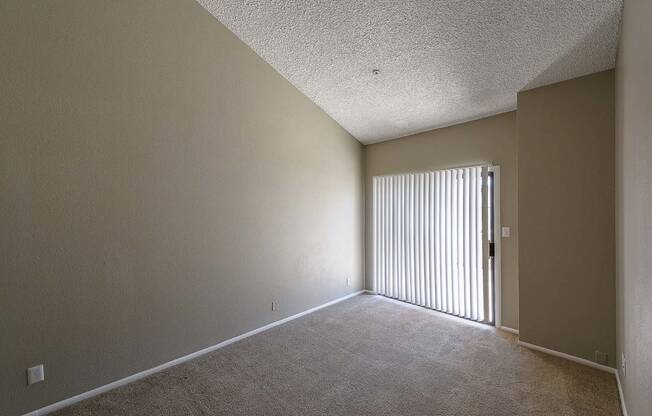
<point>498,304</point>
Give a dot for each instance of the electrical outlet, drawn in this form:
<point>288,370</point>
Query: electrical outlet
<point>623,364</point>
<point>506,232</point>
<point>348,281</point>
<point>274,305</point>
<point>601,357</point>
<point>35,374</point>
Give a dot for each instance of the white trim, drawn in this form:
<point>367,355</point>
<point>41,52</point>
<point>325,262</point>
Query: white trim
<point>623,408</point>
<point>569,357</point>
<point>498,283</point>
<point>129,379</point>
<point>510,330</point>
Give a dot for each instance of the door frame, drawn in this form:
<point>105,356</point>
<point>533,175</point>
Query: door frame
<point>497,234</point>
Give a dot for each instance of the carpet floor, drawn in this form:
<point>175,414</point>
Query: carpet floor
<point>368,356</point>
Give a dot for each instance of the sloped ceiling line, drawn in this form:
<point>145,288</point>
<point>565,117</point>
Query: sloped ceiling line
<point>441,62</point>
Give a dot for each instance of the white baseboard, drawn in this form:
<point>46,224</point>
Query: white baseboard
<point>129,379</point>
<point>623,408</point>
<point>510,330</point>
<point>569,357</point>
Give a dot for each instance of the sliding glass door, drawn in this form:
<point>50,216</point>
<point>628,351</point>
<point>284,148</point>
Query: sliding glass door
<point>431,240</point>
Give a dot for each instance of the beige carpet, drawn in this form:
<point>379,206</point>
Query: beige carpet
<point>368,356</point>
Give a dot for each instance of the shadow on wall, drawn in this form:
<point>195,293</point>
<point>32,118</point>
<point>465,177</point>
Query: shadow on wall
<point>579,59</point>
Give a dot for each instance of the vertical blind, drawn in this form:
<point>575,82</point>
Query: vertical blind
<point>428,241</point>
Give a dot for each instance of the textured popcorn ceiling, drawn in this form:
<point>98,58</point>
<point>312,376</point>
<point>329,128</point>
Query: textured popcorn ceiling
<point>441,62</point>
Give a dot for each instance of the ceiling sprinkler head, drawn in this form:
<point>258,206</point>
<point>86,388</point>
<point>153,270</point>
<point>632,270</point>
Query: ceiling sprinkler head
<point>375,71</point>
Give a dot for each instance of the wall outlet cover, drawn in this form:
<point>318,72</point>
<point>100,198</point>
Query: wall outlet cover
<point>601,358</point>
<point>35,374</point>
<point>506,232</point>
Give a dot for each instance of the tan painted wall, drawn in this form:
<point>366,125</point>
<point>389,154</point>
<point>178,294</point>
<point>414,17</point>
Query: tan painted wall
<point>634,205</point>
<point>492,139</point>
<point>566,216</point>
<point>159,185</point>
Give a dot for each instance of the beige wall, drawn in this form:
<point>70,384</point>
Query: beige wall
<point>491,139</point>
<point>634,205</point>
<point>160,185</point>
<point>566,216</point>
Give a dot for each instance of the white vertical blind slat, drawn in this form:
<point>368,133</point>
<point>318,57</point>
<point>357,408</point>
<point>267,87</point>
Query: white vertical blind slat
<point>472,239</point>
<point>417,239</point>
<point>438,256</point>
<point>410,240</point>
<point>424,247</point>
<point>478,213</point>
<point>381,238</point>
<point>399,237</point>
<point>386,236</point>
<point>467,234</point>
<point>448,243</point>
<point>394,278</point>
<point>453,225</point>
<point>460,241</point>
<point>431,235</point>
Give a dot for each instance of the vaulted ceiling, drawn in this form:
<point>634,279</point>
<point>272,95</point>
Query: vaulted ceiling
<point>439,62</point>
